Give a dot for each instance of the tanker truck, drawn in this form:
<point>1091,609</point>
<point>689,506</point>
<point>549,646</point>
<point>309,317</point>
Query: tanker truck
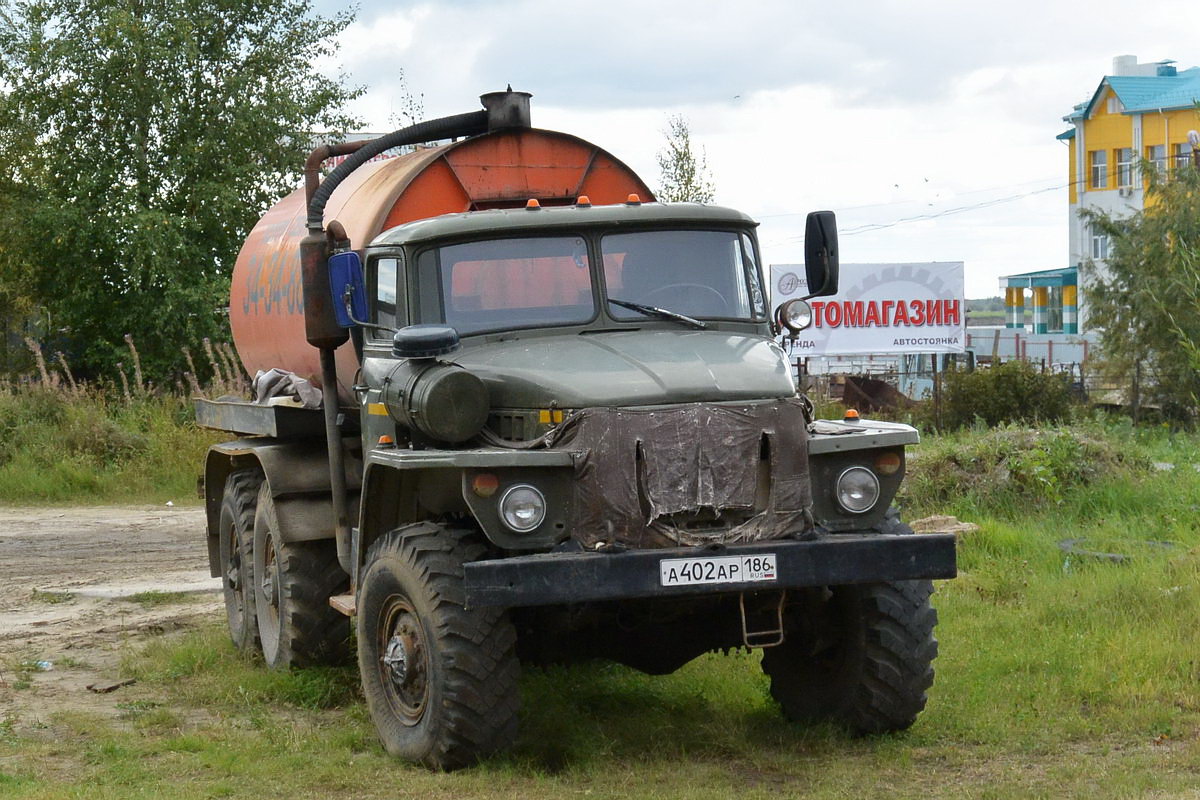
<point>554,423</point>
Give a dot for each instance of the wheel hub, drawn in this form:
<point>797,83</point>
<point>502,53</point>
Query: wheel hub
<point>233,569</point>
<point>270,578</point>
<point>397,659</point>
<point>403,666</point>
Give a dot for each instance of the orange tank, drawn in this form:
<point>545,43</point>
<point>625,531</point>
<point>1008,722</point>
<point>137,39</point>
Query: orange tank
<point>503,169</point>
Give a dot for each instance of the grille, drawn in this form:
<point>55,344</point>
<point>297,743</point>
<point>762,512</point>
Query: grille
<point>514,426</point>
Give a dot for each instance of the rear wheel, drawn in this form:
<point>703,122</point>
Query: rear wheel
<point>293,582</point>
<point>860,656</point>
<point>236,533</point>
<point>440,680</point>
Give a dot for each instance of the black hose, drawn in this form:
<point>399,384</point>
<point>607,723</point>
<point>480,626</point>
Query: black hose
<point>470,124</point>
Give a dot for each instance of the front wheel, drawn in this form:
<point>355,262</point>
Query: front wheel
<point>440,680</point>
<point>860,656</point>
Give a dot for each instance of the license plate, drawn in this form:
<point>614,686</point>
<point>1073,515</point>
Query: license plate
<point>717,569</point>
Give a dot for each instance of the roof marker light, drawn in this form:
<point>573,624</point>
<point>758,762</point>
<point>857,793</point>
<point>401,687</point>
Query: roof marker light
<point>533,203</point>
<point>633,200</point>
<point>583,200</point>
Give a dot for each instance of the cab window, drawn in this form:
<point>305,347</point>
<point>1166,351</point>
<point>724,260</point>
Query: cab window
<point>384,291</point>
<point>502,284</point>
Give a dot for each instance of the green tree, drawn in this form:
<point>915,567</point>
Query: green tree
<point>1145,299</point>
<point>142,140</point>
<point>683,175</point>
<point>408,108</point>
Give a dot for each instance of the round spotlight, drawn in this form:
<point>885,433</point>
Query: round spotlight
<point>795,315</point>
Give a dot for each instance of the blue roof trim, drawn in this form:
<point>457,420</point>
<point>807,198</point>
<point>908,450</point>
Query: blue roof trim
<point>1046,277</point>
<point>1067,134</point>
<point>1139,93</point>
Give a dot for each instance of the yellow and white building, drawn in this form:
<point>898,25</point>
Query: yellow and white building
<point>1141,110</point>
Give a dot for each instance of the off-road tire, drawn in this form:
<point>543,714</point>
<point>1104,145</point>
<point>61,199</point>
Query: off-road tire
<point>236,534</point>
<point>293,582</point>
<point>861,657</point>
<point>873,677</point>
<point>457,697</point>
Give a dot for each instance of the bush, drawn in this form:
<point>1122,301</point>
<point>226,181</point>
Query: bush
<point>1014,391</point>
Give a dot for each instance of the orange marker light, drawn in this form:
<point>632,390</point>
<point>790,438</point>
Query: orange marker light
<point>887,463</point>
<point>533,203</point>
<point>583,200</point>
<point>851,415</point>
<point>386,441</point>
<point>485,484</point>
<point>633,200</point>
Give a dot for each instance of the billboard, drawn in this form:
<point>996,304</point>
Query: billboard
<point>880,309</point>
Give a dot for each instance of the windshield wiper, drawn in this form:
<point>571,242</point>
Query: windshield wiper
<point>661,313</point>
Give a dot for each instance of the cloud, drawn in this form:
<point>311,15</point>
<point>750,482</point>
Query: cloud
<point>627,53</point>
<point>880,110</point>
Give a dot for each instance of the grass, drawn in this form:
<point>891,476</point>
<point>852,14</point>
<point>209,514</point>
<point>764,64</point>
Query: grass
<point>997,470</point>
<point>1059,675</point>
<point>58,446</point>
<point>156,599</point>
<point>51,598</point>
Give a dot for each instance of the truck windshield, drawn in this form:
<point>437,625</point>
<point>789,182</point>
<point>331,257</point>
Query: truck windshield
<point>702,274</point>
<point>502,284</point>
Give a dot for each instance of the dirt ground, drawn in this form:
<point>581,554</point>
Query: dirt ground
<point>73,584</point>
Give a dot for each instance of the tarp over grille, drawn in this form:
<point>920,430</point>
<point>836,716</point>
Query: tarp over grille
<point>639,473</point>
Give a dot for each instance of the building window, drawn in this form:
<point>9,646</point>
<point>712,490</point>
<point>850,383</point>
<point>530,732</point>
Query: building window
<point>1114,105</point>
<point>1099,169</point>
<point>1054,310</point>
<point>1125,167</point>
<point>1099,246</point>
<point>1182,155</point>
<point>1156,154</point>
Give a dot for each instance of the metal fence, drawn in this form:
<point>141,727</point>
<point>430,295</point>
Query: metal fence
<point>880,387</point>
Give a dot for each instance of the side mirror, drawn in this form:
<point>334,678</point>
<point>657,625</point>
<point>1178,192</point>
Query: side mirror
<point>348,288</point>
<point>821,254</point>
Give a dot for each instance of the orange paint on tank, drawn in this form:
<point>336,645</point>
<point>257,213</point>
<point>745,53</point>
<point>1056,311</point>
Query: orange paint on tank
<point>497,170</point>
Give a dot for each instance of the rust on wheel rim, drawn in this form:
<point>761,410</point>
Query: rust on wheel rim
<point>233,575</point>
<point>403,660</point>
<point>270,578</point>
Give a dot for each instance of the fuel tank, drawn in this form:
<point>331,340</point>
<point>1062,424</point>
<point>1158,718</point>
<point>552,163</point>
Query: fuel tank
<point>502,169</point>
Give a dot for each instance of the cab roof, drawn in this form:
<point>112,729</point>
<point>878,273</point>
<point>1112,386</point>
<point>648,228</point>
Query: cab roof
<point>501,221</point>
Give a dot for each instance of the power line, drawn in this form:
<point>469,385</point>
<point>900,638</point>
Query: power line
<point>876,226</point>
<point>907,202</point>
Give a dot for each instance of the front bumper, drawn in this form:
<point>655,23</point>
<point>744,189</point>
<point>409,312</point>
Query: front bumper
<point>831,560</point>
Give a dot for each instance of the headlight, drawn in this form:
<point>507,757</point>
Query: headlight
<point>857,490</point>
<point>522,508</point>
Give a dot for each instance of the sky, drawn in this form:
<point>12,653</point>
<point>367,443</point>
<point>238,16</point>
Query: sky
<point>928,127</point>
